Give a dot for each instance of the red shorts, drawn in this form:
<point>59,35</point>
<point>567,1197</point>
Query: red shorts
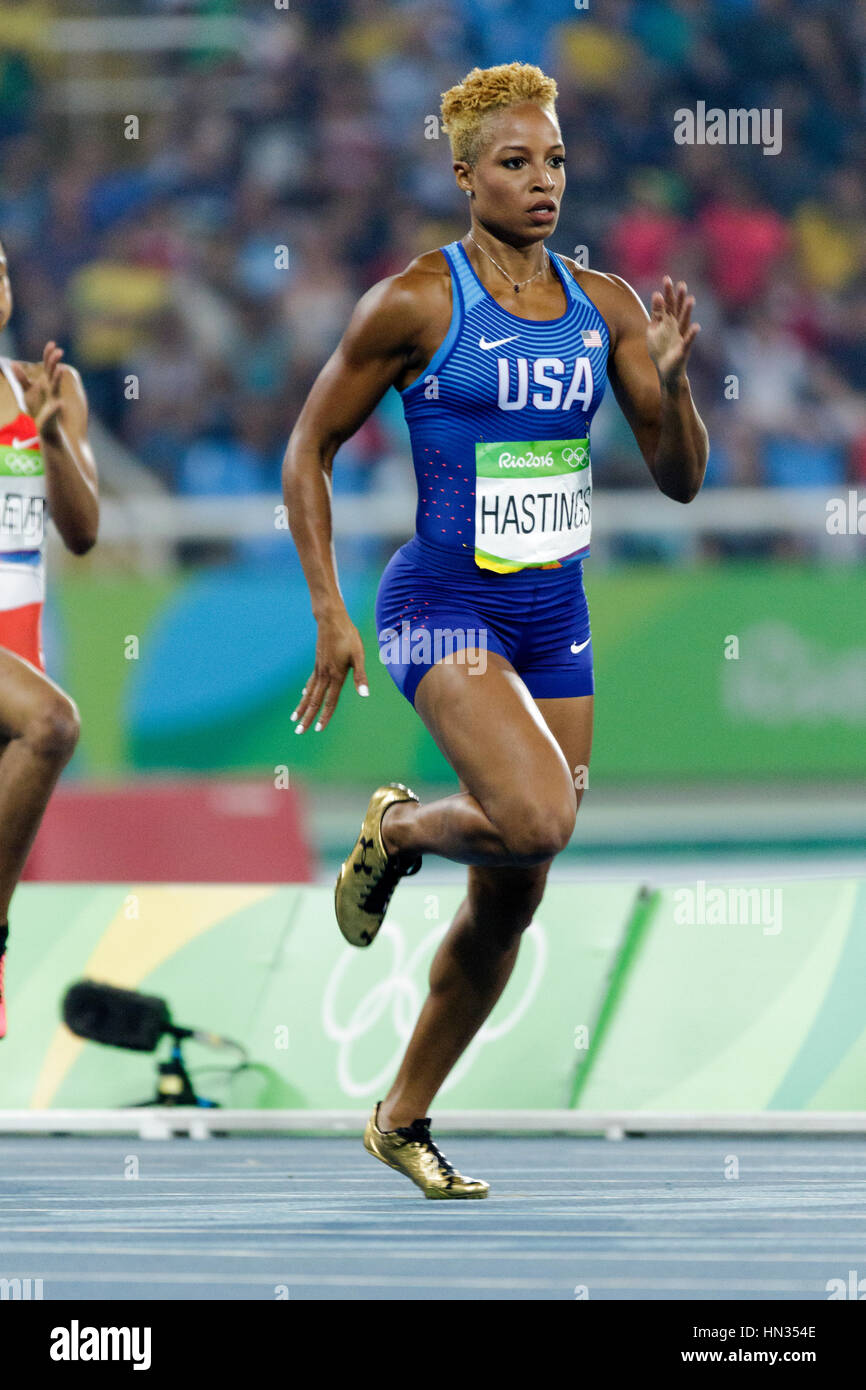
<point>21,633</point>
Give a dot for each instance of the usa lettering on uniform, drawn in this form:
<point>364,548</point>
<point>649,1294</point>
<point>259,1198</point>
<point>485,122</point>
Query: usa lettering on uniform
<point>549,373</point>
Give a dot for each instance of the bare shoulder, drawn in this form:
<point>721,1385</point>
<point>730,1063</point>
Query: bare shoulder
<point>619,305</point>
<point>72,389</point>
<point>70,378</point>
<point>396,311</point>
<point>413,291</point>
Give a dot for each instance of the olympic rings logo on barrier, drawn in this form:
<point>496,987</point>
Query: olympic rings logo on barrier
<point>398,993</point>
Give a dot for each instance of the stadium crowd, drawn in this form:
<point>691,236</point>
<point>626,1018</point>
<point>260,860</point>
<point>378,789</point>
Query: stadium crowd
<point>213,254</point>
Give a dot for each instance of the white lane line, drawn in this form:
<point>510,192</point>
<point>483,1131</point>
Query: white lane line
<point>324,1239</point>
<point>235,1150</point>
<point>289,1179</point>
<point>306,1280</point>
<point>263,1280</point>
<point>396,1223</point>
<point>722,1196</point>
<point>580,1259</point>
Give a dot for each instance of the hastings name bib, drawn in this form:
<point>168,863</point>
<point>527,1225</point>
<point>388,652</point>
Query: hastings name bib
<point>532,503</point>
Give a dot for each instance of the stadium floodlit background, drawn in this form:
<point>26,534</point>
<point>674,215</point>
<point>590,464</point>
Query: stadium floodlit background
<point>192,197</point>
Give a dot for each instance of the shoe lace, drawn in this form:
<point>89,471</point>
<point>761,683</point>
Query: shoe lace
<point>378,896</point>
<point>419,1133</point>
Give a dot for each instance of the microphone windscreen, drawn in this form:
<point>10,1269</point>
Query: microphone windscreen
<point>119,1017</point>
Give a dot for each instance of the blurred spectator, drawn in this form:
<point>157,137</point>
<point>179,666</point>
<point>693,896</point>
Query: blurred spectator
<point>743,240</point>
<point>831,234</point>
<point>240,460</point>
<point>112,300</point>
<point>216,259</point>
<point>23,198</point>
<point>172,380</point>
<point>645,237</point>
<point>319,300</point>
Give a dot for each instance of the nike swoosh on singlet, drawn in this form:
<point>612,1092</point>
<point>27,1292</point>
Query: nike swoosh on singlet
<point>577,649</point>
<point>25,443</point>
<point>485,346</point>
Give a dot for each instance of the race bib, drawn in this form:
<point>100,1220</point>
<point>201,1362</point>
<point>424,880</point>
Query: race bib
<point>532,503</point>
<point>22,499</point>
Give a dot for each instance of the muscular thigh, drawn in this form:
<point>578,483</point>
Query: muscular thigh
<point>493,734</point>
<point>570,722</point>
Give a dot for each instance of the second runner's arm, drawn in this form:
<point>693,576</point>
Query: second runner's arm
<point>55,398</point>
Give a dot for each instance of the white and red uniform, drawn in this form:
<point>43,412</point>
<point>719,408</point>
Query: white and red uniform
<point>22,531</point>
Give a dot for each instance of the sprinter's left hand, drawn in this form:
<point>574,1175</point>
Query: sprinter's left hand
<point>670,333</point>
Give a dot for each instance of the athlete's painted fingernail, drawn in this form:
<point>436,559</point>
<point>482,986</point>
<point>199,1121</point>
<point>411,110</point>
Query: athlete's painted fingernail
<point>363,690</point>
<point>299,728</point>
<point>319,727</point>
<point>293,716</point>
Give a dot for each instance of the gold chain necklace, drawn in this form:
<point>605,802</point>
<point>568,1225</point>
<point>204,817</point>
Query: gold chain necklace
<point>517,288</point>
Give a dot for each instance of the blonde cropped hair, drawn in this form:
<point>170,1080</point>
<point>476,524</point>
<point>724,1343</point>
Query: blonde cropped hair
<point>488,89</point>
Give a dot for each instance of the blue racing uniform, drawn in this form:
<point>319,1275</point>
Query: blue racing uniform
<point>499,423</point>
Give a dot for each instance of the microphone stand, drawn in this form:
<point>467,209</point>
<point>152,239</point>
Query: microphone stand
<point>174,1084</point>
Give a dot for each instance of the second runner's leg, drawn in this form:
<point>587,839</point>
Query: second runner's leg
<point>38,734</point>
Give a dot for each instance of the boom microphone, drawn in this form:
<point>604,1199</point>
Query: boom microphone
<point>125,1018</point>
<point>118,1017</point>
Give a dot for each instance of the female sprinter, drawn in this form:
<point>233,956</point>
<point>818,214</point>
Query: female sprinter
<point>45,464</point>
<point>500,351</point>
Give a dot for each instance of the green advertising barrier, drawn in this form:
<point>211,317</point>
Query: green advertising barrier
<point>739,997</point>
<point>325,1023</point>
<point>734,673</point>
<point>349,1013</point>
<point>731,997</point>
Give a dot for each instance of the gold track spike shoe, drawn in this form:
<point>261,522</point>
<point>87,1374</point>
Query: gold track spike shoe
<point>369,876</point>
<point>412,1151</point>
